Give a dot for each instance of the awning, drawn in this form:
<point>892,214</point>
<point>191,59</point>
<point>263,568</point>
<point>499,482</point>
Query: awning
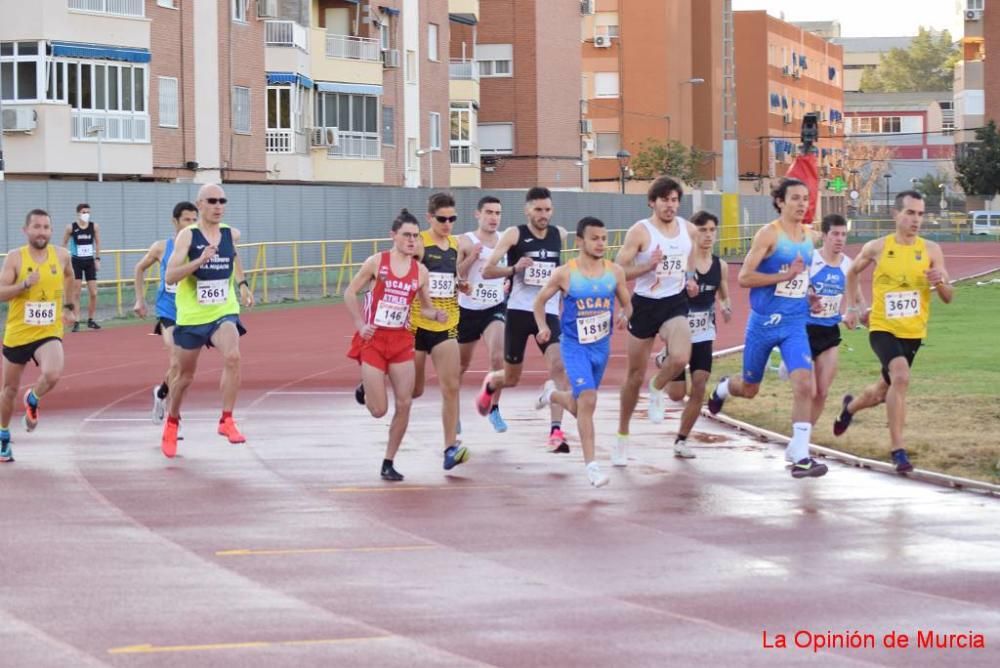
<point>77,50</point>
<point>389,10</point>
<point>464,19</point>
<point>275,78</point>
<point>356,89</point>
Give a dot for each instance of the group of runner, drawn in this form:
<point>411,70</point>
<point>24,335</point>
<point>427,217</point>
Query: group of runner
<point>436,294</point>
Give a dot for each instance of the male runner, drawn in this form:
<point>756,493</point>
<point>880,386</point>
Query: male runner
<point>533,251</point>
<point>34,281</point>
<point>656,253</point>
<point>907,266</point>
<point>484,310</point>
<point>590,284</point>
<point>83,237</point>
<point>775,270</point>
<point>383,343</point>
<point>206,269</point>
<point>185,215</point>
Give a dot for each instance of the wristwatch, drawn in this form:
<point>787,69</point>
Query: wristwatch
<point>243,282</point>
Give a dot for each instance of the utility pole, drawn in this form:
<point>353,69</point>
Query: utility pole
<point>729,235</point>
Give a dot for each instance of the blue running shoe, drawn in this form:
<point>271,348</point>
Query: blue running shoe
<point>6,452</point>
<point>499,426</point>
<point>901,461</point>
<point>455,455</point>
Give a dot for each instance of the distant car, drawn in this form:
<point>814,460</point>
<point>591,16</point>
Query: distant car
<point>985,222</point>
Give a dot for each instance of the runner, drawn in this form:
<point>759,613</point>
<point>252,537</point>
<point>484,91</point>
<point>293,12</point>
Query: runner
<point>34,281</point>
<point>185,215</point>
<point>484,310</point>
<point>533,251</point>
<point>438,252</point>
<point>656,253</point>
<point>207,271</point>
<point>84,239</point>
<point>775,270</point>
<point>383,344</point>
<point>589,284</point>
<point>711,274</point>
<point>907,266</point>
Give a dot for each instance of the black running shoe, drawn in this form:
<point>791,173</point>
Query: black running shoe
<point>843,420</point>
<point>92,324</point>
<point>76,326</point>
<point>391,474</point>
<point>715,401</point>
<point>359,394</point>
<point>901,461</point>
<point>808,468</point>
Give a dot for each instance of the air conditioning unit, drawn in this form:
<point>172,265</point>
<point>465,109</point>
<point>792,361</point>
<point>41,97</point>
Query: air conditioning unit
<point>19,119</point>
<point>973,14</point>
<point>324,137</point>
<point>267,9</point>
<point>602,41</point>
<point>586,127</point>
<point>390,58</point>
<point>787,118</point>
<point>586,7</point>
<point>588,145</point>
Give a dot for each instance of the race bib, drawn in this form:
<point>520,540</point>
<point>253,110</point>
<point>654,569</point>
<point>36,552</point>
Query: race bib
<point>702,325</point>
<point>793,288</point>
<point>593,328</point>
<point>39,313</point>
<point>538,274</point>
<point>213,292</point>
<point>170,288</point>
<point>671,266</point>
<point>85,250</point>
<point>829,306</point>
<point>902,304</point>
<point>488,292</point>
<point>441,284</point>
<point>391,316</point>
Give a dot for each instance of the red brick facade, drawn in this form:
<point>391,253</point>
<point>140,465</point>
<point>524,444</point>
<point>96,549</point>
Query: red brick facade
<point>171,43</point>
<point>242,154</point>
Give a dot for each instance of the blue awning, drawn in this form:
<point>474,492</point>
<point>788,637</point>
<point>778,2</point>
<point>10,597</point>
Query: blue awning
<point>275,78</point>
<point>356,89</point>
<point>76,50</point>
<point>465,19</point>
<point>389,10</point>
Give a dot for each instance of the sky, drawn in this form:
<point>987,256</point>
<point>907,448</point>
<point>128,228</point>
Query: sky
<point>868,18</point>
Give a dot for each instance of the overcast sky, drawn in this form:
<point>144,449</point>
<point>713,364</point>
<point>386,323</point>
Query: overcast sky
<point>869,18</point>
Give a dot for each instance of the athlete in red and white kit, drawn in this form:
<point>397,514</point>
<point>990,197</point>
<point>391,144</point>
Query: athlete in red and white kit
<point>383,344</point>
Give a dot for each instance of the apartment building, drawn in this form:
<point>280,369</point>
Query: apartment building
<point>982,23</point>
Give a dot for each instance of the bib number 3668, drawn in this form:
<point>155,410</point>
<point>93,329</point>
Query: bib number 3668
<point>40,313</point>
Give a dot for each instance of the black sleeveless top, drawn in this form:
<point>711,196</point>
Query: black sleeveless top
<point>708,286</point>
<point>83,238</point>
<point>219,267</point>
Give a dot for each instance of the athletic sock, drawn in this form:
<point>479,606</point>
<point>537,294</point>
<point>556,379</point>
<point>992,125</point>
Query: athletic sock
<point>32,399</point>
<point>386,464</point>
<point>496,408</point>
<point>681,438</point>
<point>490,390</point>
<point>226,414</point>
<point>555,425</point>
<point>798,447</point>
<point>723,389</point>
<point>4,434</point>
<point>174,420</point>
<point>162,390</point>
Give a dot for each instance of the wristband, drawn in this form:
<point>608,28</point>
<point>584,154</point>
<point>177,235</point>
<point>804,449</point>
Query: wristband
<point>98,258</point>
<point>243,282</point>
<point>69,307</point>
<point>25,286</point>
<point>689,275</point>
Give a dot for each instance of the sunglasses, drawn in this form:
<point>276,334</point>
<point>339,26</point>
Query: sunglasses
<point>446,219</point>
<point>216,200</point>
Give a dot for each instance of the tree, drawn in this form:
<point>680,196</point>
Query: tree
<point>935,186</point>
<point>979,169</point>
<point>656,158</point>
<point>927,65</point>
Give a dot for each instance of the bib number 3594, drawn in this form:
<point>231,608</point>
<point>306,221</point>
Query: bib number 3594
<point>538,274</point>
<point>213,292</point>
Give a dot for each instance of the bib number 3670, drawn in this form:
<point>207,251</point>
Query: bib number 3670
<point>213,292</point>
<point>902,304</point>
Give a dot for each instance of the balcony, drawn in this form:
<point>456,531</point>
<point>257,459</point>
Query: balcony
<point>463,80</point>
<point>128,8</point>
<point>344,58</point>
<point>465,8</point>
<point>463,70</point>
<point>467,154</point>
<point>348,47</point>
<point>284,141</point>
<point>285,34</point>
<point>357,145</point>
<point>119,127</point>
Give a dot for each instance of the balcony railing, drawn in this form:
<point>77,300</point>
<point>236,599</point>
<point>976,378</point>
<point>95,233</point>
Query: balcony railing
<point>353,48</point>
<point>285,33</point>
<point>133,8</point>
<point>357,145</point>
<point>279,141</point>
<point>467,70</point>
<point>467,154</point>
<point>119,127</point>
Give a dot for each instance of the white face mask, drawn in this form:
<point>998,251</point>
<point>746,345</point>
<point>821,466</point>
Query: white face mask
<point>84,217</point>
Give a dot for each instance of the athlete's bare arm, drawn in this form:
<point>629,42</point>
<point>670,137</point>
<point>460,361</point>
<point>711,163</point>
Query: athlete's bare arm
<point>937,275</point>
<point>635,239</point>
<point>427,309</point>
<point>360,283</point>
<point>624,298</point>
<point>507,241</point>
<point>468,253</point>
<point>67,233</point>
<point>97,243</point>
<point>8,277</point>
<point>867,257</point>
<point>558,281</point>
<point>152,256</point>
<point>727,306</point>
<point>762,245</point>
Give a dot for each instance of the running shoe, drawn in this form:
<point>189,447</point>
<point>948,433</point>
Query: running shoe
<point>76,326</point>
<point>6,452</point>
<point>455,455</point>
<point>661,358</point>
<point>499,426</point>
<point>92,324</point>
<point>595,476</point>
<point>682,450</point>
<point>619,451</point>
<point>657,403</point>
<point>715,401</point>
<point>545,396</point>
<point>159,406</point>
<point>168,443</point>
<point>557,442</point>
<point>390,473</point>
<point>843,420</point>
<point>359,394</point>
<point>485,400</point>
<point>808,468</point>
<point>227,428</point>
<point>30,413</point>
<point>901,461</point>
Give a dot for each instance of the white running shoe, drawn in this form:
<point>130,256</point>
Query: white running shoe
<point>683,451</point>
<point>661,358</point>
<point>619,451</point>
<point>657,403</point>
<point>159,406</point>
<point>545,397</point>
<point>594,475</point>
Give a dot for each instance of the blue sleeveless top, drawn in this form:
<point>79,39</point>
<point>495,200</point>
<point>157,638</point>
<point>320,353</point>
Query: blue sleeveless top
<point>166,302</point>
<point>588,307</point>
<point>789,297</point>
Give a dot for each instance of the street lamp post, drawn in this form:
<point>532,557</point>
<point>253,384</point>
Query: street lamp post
<point>888,204</point>
<point>623,160</point>
<point>428,151</point>
<point>694,81</point>
<point>97,130</point>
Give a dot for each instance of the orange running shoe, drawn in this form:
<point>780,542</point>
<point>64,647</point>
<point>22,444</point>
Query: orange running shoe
<point>227,428</point>
<point>168,444</point>
<point>30,414</point>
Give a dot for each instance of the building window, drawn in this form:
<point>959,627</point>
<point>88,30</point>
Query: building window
<point>877,124</point>
<point>411,67</point>
<point>279,108</point>
<point>20,66</point>
<point>435,130</point>
<point>606,24</point>
<point>385,34</point>
<point>169,4</point>
<point>239,10</point>
<point>241,110</point>
<point>607,144</point>
<point>411,154</point>
<point>606,84</point>
<point>460,141</point>
<point>495,60</point>
<point>389,126</point>
<point>168,102</point>
<point>356,119</point>
<point>432,42</point>
<point>98,86</point>
<point>496,138</point>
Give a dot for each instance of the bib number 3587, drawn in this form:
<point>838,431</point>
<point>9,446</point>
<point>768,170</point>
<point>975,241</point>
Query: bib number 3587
<point>213,292</point>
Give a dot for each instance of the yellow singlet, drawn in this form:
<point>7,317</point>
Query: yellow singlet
<point>901,294</point>
<point>442,270</point>
<point>36,314</point>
